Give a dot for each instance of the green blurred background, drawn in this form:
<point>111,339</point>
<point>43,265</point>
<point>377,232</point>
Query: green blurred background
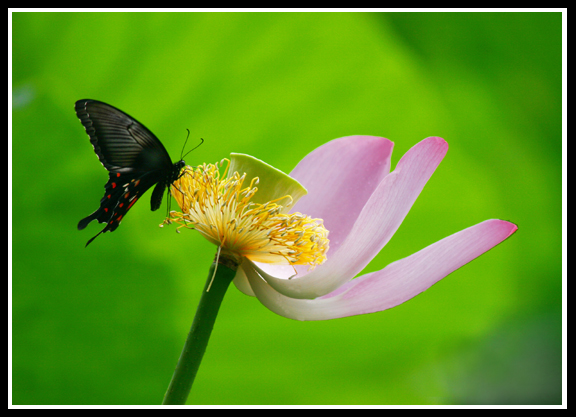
<point>105,324</point>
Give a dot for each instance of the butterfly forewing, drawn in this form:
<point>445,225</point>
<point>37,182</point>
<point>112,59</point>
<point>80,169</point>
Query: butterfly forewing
<point>119,140</point>
<point>134,157</point>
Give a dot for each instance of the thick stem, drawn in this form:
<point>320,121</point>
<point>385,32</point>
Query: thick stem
<point>199,334</point>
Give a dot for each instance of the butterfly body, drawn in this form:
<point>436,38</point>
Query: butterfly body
<point>134,157</point>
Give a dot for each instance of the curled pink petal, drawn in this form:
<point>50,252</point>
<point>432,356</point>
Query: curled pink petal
<point>375,225</point>
<point>340,176</point>
<point>393,285</point>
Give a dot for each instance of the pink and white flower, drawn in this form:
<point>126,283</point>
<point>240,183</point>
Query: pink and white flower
<point>352,194</point>
<point>362,204</point>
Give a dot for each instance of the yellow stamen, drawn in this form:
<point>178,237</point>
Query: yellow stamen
<point>220,209</point>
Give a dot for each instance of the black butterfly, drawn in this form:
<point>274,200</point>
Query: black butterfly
<point>134,158</point>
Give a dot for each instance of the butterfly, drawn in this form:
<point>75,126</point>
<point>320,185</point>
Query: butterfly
<point>134,157</point>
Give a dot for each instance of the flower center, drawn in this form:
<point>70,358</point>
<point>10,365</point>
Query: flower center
<point>220,209</point>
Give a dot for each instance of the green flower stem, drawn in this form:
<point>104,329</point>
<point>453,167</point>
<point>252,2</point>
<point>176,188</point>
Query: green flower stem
<point>199,334</point>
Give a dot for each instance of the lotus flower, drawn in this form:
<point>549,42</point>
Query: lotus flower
<point>286,260</point>
<point>362,204</point>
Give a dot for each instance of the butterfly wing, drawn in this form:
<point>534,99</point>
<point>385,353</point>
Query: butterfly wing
<point>116,202</point>
<point>121,142</point>
<point>133,156</point>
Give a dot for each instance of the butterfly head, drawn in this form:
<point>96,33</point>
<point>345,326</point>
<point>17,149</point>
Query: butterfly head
<point>177,170</point>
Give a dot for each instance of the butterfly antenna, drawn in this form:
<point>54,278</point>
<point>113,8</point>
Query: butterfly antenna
<point>185,142</point>
<point>201,142</point>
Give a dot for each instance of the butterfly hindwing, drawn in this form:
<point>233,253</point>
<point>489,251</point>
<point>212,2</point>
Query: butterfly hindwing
<point>134,157</point>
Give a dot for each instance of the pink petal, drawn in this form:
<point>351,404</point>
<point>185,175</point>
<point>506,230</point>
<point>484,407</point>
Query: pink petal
<point>376,224</point>
<point>340,177</point>
<point>395,284</point>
